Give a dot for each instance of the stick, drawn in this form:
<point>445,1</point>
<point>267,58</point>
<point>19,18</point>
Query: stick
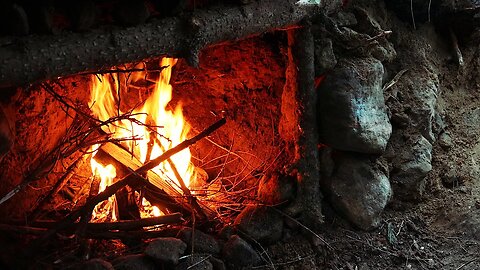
<point>126,225</point>
<point>95,230</point>
<point>58,185</point>
<point>128,179</point>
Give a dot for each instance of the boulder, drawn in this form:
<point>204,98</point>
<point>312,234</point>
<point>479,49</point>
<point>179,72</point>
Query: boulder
<point>356,186</point>
<point>238,253</point>
<point>411,165</point>
<point>352,112</point>
<point>202,242</point>
<point>166,250</point>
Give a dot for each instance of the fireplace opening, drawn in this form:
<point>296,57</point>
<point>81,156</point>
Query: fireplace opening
<point>76,136</point>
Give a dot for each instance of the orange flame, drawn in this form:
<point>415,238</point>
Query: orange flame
<point>161,128</point>
<point>106,174</point>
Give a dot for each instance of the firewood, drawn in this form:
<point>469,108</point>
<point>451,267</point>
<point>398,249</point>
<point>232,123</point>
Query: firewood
<point>126,225</point>
<point>81,52</point>
<point>130,179</point>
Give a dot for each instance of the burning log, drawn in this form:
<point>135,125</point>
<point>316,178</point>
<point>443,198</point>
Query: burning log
<point>158,192</point>
<point>130,179</point>
<point>34,58</point>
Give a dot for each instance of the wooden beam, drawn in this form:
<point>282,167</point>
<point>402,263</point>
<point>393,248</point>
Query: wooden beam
<point>34,58</point>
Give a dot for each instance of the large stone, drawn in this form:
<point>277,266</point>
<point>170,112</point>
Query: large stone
<point>202,242</point>
<point>356,186</point>
<point>261,223</point>
<point>352,112</point>
<point>411,166</point>
<point>238,253</point>
<point>134,262</point>
<point>416,97</point>
<point>167,249</point>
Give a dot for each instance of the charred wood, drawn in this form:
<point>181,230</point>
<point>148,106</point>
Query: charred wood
<point>34,58</point>
<point>127,225</point>
<point>303,120</point>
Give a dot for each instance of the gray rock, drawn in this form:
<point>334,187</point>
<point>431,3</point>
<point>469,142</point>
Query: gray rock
<point>167,249</point>
<point>356,187</point>
<point>134,262</point>
<point>261,223</point>
<point>276,189</point>
<point>352,112</point>
<point>202,242</point>
<point>195,262</point>
<point>445,140</point>
<point>411,166</point>
<point>238,253</point>
<point>416,95</point>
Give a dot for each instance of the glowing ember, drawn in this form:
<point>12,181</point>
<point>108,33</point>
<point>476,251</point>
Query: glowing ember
<point>157,127</point>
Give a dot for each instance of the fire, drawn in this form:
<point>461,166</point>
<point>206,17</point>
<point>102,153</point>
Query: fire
<point>157,128</point>
<point>109,207</point>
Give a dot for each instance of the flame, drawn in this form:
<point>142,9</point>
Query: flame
<point>157,128</point>
<point>106,208</point>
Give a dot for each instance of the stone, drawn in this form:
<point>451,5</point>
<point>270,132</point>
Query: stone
<point>238,253</point>
<point>411,165</point>
<point>195,262</point>
<point>356,186</point>
<point>96,264</point>
<point>419,88</point>
<point>217,264</point>
<point>352,112</point>
<point>167,249</point>
<point>202,242</point>
<point>260,223</point>
<point>134,262</point>
<point>276,188</point>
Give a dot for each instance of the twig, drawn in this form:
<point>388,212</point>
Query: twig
<point>125,225</point>
<point>128,179</point>
<point>305,227</point>
<point>186,191</point>
<point>413,16</point>
<point>58,185</point>
<point>467,263</point>
<point>394,80</point>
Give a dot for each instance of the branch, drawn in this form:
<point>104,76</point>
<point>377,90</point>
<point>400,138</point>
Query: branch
<point>127,180</point>
<point>72,53</point>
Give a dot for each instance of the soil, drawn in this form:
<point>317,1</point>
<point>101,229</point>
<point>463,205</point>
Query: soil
<point>442,230</point>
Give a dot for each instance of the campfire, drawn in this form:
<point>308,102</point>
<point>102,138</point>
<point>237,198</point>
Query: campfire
<point>201,134</point>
